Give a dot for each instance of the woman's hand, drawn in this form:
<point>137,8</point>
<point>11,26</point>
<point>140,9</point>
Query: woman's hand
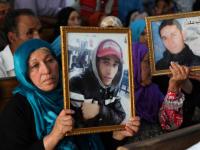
<point>63,125</point>
<point>131,127</point>
<point>179,76</point>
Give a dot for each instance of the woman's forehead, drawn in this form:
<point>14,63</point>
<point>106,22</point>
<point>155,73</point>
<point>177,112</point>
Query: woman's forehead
<point>39,52</point>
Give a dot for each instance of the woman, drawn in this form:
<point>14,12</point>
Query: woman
<point>137,27</point>
<point>34,118</point>
<point>110,21</point>
<point>67,16</point>
<point>147,94</point>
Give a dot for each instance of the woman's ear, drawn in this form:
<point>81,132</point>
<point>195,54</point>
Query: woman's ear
<point>11,37</point>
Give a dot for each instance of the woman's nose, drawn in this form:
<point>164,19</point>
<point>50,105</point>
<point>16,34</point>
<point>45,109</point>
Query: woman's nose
<point>45,68</point>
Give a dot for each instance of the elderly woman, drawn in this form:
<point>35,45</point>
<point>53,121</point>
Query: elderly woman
<point>35,118</point>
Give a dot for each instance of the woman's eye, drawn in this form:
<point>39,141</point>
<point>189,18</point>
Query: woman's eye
<point>35,66</point>
<point>50,60</point>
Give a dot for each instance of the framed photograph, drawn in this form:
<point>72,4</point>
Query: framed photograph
<point>97,77</point>
<point>174,38</point>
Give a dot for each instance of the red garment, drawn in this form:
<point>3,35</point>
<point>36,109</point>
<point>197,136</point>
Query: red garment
<point>171,112</point>
<point>87,7</point>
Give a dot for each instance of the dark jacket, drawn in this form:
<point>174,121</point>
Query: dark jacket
<point>17,126</point>
<point>17,129</point>
<point>185,57</point>
<point>87,86</point>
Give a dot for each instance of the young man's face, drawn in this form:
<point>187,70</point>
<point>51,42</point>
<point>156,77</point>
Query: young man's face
<point>108,67</point>
<point>172,38</point>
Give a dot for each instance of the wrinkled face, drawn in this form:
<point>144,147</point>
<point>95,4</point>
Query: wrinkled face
<point>74,19</point>
<point>172,38</point>
<point>43,69</point>
<point>145,71</point>
<point>28,27</point>
<point>108,67</point>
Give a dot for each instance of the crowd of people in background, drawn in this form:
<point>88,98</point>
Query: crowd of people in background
<point>163,103</point>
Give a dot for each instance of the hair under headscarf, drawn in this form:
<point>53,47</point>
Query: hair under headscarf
<point>149,98</point>
<point>137,27</point>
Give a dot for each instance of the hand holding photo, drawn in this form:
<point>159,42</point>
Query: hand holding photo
<point>174,38</point>
<point>97,77</point>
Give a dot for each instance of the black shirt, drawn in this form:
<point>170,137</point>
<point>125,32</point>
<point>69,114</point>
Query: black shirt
<point>17,126</point>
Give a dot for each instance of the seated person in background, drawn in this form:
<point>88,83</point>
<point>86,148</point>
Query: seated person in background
<point>4,8</point>
<point>110,21</point>
<point>35,118</point>
<point>41,8</point>
<point>134,15</point>
<point>104,7</point>
<point>125,6</point>
<point>138,29</point>
<point>67,16</point>
<point>19,26</point>
<point>98,87</point>
<point>163,7</point>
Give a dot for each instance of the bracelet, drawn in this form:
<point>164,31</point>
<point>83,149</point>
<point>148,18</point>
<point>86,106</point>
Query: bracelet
<point>175,102</point>
<point>171,95</point>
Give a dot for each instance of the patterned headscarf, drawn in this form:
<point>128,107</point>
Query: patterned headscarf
<point>111,21</point>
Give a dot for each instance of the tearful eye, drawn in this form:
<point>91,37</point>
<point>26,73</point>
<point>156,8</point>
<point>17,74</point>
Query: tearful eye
<point>50,60</point>
<point>34,66</point>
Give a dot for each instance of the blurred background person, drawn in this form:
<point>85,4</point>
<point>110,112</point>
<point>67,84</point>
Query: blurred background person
<point>67,16</point>
<point>19,25</point>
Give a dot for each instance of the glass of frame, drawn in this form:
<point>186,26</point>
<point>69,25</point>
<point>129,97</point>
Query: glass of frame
<point>176,38</point>
<point>97,77</point>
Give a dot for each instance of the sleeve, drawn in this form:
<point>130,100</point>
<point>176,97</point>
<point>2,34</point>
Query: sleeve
<point>17,126</point>
<point>112,113</point>
<point>107,139</point>
<point>20,4</point>
<point>171,111</point>
<point>3,73</point>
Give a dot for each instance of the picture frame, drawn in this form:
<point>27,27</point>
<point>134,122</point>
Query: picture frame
<point>161,48</point>
<point>84,51</point>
